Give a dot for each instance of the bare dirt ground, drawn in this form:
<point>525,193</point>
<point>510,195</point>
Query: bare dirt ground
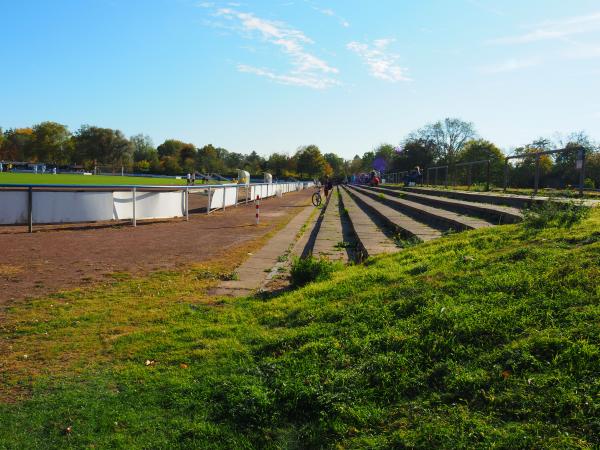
<point>54,257</point>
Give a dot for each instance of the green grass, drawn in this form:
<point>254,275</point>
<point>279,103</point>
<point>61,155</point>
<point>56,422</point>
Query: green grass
<point>484,339</point>
<point>29,178</point>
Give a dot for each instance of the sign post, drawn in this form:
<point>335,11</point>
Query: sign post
<point>257,209</point>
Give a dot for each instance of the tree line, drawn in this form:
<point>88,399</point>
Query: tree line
<point>91,146</point>
<point>446,142</point>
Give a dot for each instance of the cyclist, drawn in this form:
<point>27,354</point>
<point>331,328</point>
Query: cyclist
<point>326,186</point>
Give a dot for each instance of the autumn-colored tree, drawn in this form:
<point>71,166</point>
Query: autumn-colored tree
<point>16,143</point>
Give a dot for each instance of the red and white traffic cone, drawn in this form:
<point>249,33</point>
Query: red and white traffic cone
<point>257,208</point>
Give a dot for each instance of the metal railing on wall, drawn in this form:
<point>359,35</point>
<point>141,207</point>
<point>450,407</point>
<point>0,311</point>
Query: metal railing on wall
<point>579,165</point>
<point>445,174</point>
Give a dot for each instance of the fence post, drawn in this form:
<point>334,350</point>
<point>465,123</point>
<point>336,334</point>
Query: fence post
<point>536,183</point>
<point>30,209</point>
<point>208,205</point>
<point>447,174</point>
<point>488,174</point>
<point>134,218</point>
<point>224,192</point>
<point>257,208</point>
<point>187,203</point>
<point>237,193</point>
<point>581,171</point>
<point>505,174</point>
<point>469,176</point>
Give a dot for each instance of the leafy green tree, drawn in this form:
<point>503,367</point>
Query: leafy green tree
<point>50,143</point>
<point>277,164</point>
<point>171,147</point>
<point>368,160</point>
<point>255,164</point>
<point>413,153</point>
<point>565,163</point>
<point>171,165</point>
<point>143,148</point>
<point>384,157</point>
<point>480,150</point>
<point>232,160</point>
<point>208,160</point>
<point>356,165</point>
<point>523,170</point>
<point>337,165</point>
<point>448,137</point>
<point>311,163</point>
<point>102,146</point>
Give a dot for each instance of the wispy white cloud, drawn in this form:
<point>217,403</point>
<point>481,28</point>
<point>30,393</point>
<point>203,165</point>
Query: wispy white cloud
<point>306,80</point>
<point>307,69</point>
<point>382,64</point>
<point>329,12</point>
<point>554,29</point>
<point>510,65</point>
<point>573,38</point>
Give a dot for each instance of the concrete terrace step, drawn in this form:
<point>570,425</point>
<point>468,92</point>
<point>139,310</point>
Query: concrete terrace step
<point>436,217</point>
<point>497,213</point>
<point>396,219</point>
<point>372,240</point>
<point>495,198</point>
<point>330,234</point>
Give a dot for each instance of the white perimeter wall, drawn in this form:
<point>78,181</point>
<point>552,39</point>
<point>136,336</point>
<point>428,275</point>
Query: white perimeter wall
<point>63,207</point>
<point>90,206</point>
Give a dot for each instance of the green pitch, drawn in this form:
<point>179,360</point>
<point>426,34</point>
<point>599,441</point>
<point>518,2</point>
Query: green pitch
<point>30,178</point>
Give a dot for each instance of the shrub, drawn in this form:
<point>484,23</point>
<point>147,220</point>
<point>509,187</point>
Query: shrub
<point>588,183</point>
<point>555,214</point>
<point>310,269</point>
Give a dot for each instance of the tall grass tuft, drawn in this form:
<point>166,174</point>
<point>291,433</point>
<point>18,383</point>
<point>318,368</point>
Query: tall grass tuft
<point>555,214</point>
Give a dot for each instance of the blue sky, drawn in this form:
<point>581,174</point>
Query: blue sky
<point>273,75</point>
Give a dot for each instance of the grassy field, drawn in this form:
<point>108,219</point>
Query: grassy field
<point>487,339</point>
<point>29,178</point>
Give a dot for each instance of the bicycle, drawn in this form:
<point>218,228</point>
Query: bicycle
<point>316,198</point>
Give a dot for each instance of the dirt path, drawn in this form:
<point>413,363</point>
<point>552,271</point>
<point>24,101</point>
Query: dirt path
<point>68,256</point>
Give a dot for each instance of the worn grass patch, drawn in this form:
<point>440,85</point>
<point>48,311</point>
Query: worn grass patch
<point>9,271</point>
<point>486,339</point>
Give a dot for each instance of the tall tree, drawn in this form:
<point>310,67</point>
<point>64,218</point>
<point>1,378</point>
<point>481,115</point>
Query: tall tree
<point>50,143</point>
<point>143,148</point>
<point>171,147</point>
<point>17,141</point>
<point>277,164</point>
<point>337,165</point>
<point>311,163</point>
<point>356,166</point>
<point>415,152</point>
<point>448,136</point>
<point>103,146</point>
<point>255,164</point>
<point>368,160</point>
<point>480,150</point>
<point>384,156</point>
<point>208,160</point>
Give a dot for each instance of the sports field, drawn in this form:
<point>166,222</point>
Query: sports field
<point>30,178</point>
